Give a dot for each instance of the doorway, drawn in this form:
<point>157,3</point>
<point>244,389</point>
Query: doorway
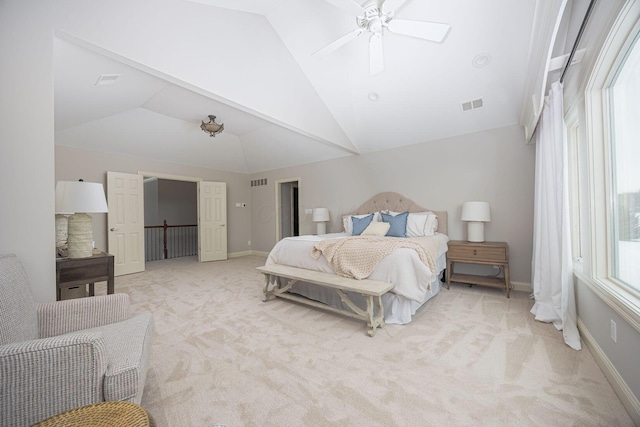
<point>170,218</point>
<point>287,209</point>
<point>211,214</point>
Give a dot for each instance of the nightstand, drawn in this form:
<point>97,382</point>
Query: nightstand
<point>487,253</point>
<point>72,272</point>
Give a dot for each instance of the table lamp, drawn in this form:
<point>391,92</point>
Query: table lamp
<point>80,198</point>
<point>321,216</point>
<point>476,214</point>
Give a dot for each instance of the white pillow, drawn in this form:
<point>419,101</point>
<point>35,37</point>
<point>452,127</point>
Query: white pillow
<point>432,224</point>
<point>348,224</point>
<point>420,224</point>
<point>376,229</point>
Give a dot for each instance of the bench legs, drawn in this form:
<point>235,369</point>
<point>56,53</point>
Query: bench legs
<point>275,291</point>
<point>373,321</point>
<point>374,303</point>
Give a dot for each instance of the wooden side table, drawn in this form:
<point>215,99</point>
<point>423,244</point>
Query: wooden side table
<point>72,272</point>
<point>488,253</point>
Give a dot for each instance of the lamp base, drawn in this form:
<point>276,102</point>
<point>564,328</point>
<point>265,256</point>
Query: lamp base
<point>475,231</point>
<point>321,228</point>
<point>62,227</point>
<point>80,236</point>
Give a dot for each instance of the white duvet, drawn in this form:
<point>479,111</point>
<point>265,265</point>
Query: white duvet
<point>402,268</point>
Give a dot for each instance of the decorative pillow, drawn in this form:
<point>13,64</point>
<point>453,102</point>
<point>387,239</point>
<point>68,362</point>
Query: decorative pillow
<point>422,224</point>
<point>376,229</point>
<point>398,224</point>
<point>347,223</point>
<point>360,224</point>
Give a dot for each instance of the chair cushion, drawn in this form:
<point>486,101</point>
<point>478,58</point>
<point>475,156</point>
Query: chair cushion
<point>18,316</point>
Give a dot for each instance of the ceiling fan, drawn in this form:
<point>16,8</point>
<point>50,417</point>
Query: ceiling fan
<point>374,18</point>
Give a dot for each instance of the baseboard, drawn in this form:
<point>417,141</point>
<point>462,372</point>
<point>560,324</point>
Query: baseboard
<point>247,253</point>
<point>238,254</point>
<point>626,396</point>
<point>521,286</point>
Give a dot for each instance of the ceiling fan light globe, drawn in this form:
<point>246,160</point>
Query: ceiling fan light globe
<point>375,25</point>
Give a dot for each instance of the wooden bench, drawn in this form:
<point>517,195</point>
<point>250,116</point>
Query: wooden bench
<point>372,290</point>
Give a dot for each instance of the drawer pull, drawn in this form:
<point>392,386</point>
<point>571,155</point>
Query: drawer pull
<point>475,252</point>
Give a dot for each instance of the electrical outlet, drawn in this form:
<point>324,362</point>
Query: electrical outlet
<point>249,243</point>
<point>614,331</point>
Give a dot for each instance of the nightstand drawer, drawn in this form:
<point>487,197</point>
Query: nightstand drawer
<point>478,253</point>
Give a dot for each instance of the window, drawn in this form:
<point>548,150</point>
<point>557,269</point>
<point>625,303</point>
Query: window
<point>609,157</point>
<point>624,124</point>
<point>624,112</point>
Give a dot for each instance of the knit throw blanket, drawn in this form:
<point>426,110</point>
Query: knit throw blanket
<point>358,256</point>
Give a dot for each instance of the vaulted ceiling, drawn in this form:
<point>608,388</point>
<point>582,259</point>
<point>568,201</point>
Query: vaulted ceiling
<point>251,63</point>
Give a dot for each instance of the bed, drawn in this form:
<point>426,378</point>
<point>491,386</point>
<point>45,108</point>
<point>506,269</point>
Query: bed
<point>414,281</point>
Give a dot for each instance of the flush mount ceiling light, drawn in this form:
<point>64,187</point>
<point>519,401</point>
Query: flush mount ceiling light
<point>212,128</point>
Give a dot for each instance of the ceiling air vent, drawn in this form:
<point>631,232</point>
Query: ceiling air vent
<point>107,79</point>
<point>476,103</point>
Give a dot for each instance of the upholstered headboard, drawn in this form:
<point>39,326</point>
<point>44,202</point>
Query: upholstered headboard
<point>398,203</point>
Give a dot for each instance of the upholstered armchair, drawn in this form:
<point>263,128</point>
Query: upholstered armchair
<point>61,355</point>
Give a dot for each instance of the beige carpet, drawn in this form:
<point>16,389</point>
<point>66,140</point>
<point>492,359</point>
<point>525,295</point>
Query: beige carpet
<point>470,357</point>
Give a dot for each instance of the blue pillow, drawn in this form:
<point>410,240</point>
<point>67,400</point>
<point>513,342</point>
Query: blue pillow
<point>397,224</point>
<point>360,224</point>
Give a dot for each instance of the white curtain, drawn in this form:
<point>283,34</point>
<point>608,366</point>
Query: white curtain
<point>552,272</point>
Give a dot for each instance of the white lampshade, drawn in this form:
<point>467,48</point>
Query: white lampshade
<point>320,215</point>
<point>476,213</point>
<point>80,197</point>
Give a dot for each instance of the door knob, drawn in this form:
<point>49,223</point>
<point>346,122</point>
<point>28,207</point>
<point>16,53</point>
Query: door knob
<point>113,229</point>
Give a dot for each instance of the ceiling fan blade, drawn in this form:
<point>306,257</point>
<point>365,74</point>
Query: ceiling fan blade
<point>376,56</point>
<point>432,31</point>
<point>391,6</point>
<point>339,42</point>
<point>348,6</point>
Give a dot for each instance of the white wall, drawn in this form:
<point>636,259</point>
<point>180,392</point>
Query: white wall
<point>177,202</point>
<point>151,214</point>
<point>171,200</point>
<point>27,185</point>
<point>495,166</point>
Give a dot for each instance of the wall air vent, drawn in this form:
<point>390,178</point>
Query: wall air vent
<point>470,105</point>
<point>107,79</point>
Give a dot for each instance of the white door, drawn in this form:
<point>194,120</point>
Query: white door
<point>212,221</point>
<point>125,197</point>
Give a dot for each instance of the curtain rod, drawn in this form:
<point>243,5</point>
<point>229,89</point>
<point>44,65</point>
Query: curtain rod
<point>578,37</point>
